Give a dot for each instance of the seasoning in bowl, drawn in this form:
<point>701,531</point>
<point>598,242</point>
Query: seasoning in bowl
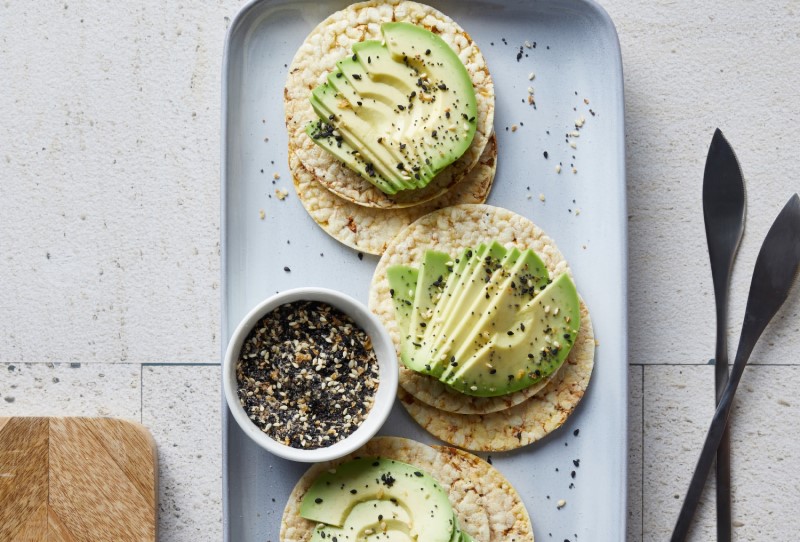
<point>307,375</point>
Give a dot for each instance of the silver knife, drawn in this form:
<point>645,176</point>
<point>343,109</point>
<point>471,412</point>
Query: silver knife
<point>723,211</point>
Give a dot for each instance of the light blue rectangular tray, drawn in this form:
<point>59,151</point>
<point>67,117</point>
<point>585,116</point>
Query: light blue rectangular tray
<point>576,58</point>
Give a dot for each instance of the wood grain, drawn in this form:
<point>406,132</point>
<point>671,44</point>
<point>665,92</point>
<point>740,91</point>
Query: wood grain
<point>77,480</point>
<point>23,478</point>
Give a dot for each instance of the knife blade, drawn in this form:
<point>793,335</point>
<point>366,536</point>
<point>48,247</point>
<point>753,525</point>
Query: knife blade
<point>724,213</point>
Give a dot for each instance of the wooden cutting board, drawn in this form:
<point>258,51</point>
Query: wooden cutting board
<point>76,480</point>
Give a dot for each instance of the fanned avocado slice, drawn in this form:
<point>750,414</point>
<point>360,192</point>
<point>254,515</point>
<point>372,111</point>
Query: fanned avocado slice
<point>521,276</point>
<point>481,303</point>
<point>456,308</point>
<point>423,356</point>
<point>399,110</point>
<point>532,342</point>
<point>331,104</point>
<point>323,134</point>
<point>375,519</point>
<point>496,325</point>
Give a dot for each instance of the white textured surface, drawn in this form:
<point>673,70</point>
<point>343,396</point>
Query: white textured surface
<point>70,389</point>
<point>680,401</point>
<point>691,67</point>
<point>635,408</point>
<point>764,451</point>
<point>182,410</point>
<point>109,145</point>
<point>109,237</point>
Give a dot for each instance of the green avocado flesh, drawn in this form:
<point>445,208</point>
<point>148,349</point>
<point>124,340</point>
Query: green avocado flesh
<point>397,111</point>
<point>498,324</point>
<point>376,499</point>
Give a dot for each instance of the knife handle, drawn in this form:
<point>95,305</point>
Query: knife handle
<point>723,466</point>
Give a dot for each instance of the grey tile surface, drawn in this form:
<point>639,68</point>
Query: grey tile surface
<point>181,406</point>
<point>70,389</point>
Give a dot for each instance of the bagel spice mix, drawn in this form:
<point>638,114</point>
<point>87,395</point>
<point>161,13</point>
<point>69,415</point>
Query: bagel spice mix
<point>307,375</point>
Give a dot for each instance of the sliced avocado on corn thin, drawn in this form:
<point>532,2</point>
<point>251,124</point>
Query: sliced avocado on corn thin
<point>374,498</point>
<point>398,111</point>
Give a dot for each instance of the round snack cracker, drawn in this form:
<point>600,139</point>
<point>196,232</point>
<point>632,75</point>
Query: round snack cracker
<point>508,518</point>
<point>370,230</point>
<point>331,41</point>
<point>451,230</point>
<point>464,490</point>
<point>524,423</point>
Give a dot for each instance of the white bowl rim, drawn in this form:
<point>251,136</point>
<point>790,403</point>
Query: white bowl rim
<point>384,396</point>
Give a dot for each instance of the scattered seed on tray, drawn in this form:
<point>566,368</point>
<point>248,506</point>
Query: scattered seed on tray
<point>307,375</point>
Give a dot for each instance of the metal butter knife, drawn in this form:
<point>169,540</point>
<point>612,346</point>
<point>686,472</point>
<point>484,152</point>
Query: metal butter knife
<point>723,211</point>
<point>775,272</point>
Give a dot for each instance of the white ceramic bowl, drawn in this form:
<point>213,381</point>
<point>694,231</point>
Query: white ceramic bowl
<point>387,374</point>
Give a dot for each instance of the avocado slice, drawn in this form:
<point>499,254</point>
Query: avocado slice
<point>496,279</point>
<point>382,69</point>
<point>457,306</point>
<point>361,119</point>
<point>418,355</point>
<point>402,109</point>
<point>499,324</point>
<point>433,275</point>
<point>518,279</point>
<point>335,496</point>
<point>526,344</point>
<point>366,519</point>
<point>357,133</point>
<point>402,285</point>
